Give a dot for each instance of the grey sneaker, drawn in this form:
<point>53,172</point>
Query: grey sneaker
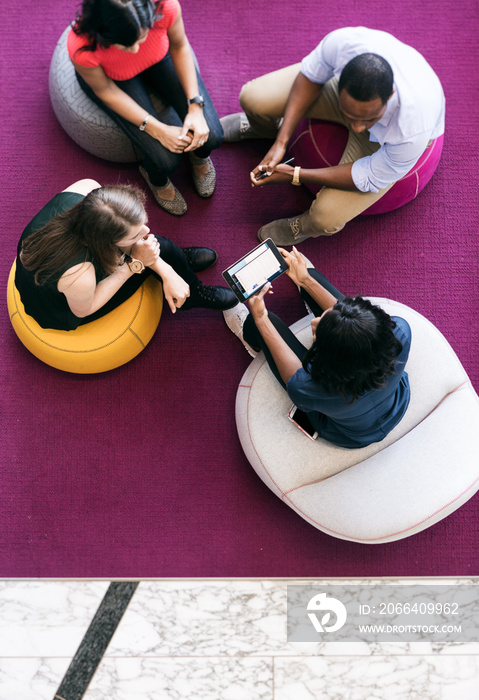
<point>235,319</point>
<point>283,231</point>
<point>236,128</point>
<point>176,206</point>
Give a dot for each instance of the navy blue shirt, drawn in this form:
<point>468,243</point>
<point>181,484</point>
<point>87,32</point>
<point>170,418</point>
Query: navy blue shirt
<point>367,419</point>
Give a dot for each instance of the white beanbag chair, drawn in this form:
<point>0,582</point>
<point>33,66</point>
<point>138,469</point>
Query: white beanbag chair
<point>421,472</point>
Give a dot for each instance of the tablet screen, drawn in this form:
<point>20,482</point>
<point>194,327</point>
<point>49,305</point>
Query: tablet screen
<point>254,270</point>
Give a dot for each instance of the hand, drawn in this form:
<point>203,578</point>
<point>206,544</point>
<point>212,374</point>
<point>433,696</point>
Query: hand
<point>271,160</point>
<point>147,250</point>
<point>297,268</point>
<point>196,128</point>
<point>175,289</point>
<point>172,138</point>
<point>257,305</point>
<point>282,173</point>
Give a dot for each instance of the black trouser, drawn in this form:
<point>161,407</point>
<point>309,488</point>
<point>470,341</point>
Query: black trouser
<point>254,338</point>
<point>158,161</point>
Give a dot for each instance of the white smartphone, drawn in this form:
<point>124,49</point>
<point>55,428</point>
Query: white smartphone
<point>301,421</point>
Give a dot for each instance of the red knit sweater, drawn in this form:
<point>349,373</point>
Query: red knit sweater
<point>122,65</point>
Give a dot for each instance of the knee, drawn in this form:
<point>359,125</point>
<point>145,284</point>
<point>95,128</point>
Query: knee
<point>165,160</point>
<point>83,186</point>
<point>325,221</point>
<point>215,138</point>
<point>247,97</point>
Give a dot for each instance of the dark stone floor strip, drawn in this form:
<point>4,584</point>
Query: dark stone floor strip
<point>94,643</point>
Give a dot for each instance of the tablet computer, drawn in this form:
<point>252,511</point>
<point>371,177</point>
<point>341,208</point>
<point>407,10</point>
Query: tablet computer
<point>263,264</point>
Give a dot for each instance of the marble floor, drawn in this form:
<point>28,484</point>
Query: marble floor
<point>207,640</point>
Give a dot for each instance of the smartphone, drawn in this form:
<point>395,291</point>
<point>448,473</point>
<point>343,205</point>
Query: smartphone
<point>251,272</point>
<point>301,421</point>
<point>286,162</point>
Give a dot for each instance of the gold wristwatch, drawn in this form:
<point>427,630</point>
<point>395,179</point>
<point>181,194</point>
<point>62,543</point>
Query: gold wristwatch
<point>134,264</point>
<point>295,180</point>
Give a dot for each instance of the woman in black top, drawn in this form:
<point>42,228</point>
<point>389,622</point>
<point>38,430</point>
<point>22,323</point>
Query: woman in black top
<point>89,249</point>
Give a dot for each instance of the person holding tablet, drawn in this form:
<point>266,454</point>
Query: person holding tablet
<point>123,48</point>
<point>352,381</point>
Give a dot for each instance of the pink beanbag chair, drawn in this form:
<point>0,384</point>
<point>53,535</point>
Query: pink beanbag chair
<point>318,144</point>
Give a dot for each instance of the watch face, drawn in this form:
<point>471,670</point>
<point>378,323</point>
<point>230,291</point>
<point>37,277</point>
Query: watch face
<point>136,266</point>
<point>198,100</point>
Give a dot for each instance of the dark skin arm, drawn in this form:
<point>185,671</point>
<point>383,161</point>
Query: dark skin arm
<point>285,359</point>
<point>303,94</point>
<point>337,176</point>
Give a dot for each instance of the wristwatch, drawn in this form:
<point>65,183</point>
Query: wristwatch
<point>198,100</point>
<point>134,264</point>
<point>296,180</point>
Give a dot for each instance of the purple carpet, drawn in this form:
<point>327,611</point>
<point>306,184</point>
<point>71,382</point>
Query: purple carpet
<point>139,472</point>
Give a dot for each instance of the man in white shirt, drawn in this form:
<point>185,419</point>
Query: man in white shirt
<point>385,93</point>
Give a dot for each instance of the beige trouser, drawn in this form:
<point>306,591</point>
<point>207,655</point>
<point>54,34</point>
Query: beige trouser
<point>264,101</point>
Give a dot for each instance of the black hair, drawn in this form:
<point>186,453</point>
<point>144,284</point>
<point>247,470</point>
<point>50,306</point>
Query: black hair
<point>107,22</point>
<point>367,77</point>
<point>355,349</point>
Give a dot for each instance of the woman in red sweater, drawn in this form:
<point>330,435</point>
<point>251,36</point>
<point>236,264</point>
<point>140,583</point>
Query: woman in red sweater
<point>123,48</point>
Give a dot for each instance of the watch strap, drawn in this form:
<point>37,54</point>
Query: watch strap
<point>296,181</point>
<point>197,100</point>
<point>142,126</point>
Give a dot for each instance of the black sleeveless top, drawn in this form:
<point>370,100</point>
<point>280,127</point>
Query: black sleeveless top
<point>45,303</point>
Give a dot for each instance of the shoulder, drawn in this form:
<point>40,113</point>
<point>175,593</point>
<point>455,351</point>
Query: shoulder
<point>167,11</point>
<point>57,205</point>
<point>404,334</point>
<point>79,278</point>
<point>76,43</point>
<point>403,329</point>
<point>348,38</point>
<point>303,383</point>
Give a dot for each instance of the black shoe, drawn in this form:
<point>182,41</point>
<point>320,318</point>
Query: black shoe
<point>200,259</point>
<point>203,297</point>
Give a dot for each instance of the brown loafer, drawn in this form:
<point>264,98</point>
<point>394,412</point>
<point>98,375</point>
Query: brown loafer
<point>205,186</point>
<point>176,206</point>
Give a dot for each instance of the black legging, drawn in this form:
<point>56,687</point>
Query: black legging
<point>158,161</point>
<point>254,338</point>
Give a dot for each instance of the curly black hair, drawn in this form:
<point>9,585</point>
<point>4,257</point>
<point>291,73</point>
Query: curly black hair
<point>355,349</point>
<point>107,22</point>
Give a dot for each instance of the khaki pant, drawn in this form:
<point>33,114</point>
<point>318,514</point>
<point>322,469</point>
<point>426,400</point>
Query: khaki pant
<point>264,101</point>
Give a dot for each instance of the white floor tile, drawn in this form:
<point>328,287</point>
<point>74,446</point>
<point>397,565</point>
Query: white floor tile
<point>246,618</point>
<point>31,679</point>
<point>183,679</point>
<point>47,619</point>
<point>377,678</point>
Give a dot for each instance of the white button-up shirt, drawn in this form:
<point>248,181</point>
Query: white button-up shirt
<point>414,114</point>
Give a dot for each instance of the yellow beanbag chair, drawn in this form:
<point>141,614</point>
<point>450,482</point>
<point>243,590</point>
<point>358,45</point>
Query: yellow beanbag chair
<point>108,342</point>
